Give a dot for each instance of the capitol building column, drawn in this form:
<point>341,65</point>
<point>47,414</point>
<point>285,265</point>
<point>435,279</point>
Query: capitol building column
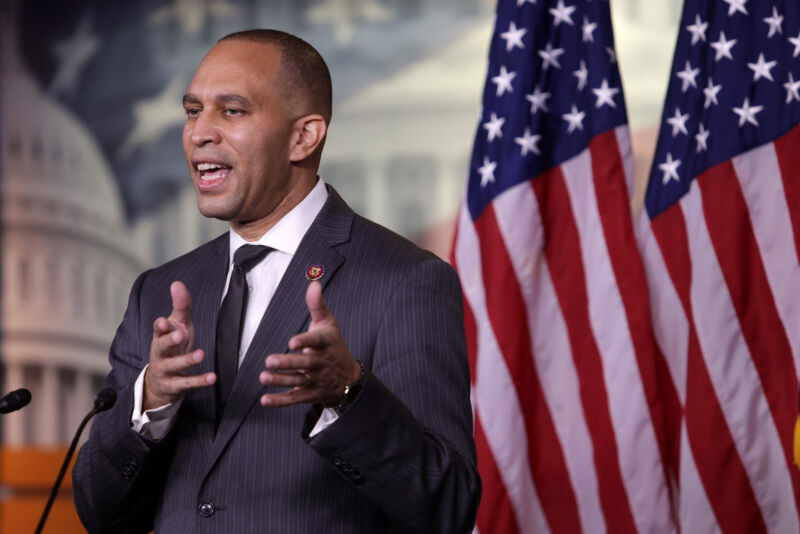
<point>47,405</point>
<point>13,429</point>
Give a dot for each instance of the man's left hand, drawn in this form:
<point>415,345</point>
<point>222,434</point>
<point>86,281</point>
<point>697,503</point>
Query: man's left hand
<point>321,370</point>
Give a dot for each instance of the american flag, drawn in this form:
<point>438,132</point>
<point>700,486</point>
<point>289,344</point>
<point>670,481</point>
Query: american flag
<point>720,237</point>
<point>568,420</point>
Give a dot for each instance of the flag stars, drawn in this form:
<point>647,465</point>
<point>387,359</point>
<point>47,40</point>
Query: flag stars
<point>588,30</point>
<point>574,118</point>
<point>487,171</point>
<point>582,74</point>
<point>774,22</point>
<point>711,92</point>
<point>562,13</point>
<point>605,95</point>
<point>792,87</point>
<point>670,169</point>
<point>513,37</point>
<point>528,142</point>
<point>796,42</point>
<point>550,56</point>
<point>702,138</point>
<point>538,100</point>
<point>747,113</point>
<point>612,56</point>
<point>521,2</point>
<point>698,30</point>
<point>736,5</point>
<point>761,68</point>
<point>494,128</point>
<point>678,122</point>
<point>723,47</point>
<point>503,81</point>
<point>688,75</point>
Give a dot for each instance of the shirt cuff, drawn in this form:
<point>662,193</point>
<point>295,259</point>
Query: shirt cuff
<point>152,424</point>
<point>326,419</point>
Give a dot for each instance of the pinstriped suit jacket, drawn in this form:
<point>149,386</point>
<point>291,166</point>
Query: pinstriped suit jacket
<point>401,459</point>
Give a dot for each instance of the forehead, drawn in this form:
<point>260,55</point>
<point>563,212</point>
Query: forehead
<point>236,67</point>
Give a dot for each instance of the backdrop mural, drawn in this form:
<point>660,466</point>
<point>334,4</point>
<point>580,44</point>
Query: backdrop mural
<point>95,189</point>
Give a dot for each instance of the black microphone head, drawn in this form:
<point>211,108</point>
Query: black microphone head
<point>15,400</point>
<point>105,400</point>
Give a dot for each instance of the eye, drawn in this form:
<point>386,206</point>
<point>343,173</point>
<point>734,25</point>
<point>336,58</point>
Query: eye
<point>233,112</point>
<point>192,112</point>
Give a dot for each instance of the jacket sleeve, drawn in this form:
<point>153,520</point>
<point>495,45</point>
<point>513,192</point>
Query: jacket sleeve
<point>406,441</point>
<point>116,478</point>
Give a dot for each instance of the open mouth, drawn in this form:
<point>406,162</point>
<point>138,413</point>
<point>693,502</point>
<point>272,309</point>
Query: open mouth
<point>211,174</point>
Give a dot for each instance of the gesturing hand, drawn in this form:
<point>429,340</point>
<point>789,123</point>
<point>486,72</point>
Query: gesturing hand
<point>324,367</point>
<point>171,354</point>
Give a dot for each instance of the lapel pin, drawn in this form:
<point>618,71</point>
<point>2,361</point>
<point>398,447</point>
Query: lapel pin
<point>315,272</point>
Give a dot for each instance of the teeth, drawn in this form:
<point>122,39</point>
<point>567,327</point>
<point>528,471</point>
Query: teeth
<point>208,166</point>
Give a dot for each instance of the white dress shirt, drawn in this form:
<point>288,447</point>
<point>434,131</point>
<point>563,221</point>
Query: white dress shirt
<point>262,281</point>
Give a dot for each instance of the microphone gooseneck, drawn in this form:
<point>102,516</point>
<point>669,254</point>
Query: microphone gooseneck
<point>102,402</point>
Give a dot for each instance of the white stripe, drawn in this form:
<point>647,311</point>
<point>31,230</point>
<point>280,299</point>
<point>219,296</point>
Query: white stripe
<point>760,177</point>
<point>637,445</point>
<point>696,514</point>
<point>670,326</point>
<point>626,152</point>
<point>519,219</point>
<point>734,377</point>
<point>497,403</point>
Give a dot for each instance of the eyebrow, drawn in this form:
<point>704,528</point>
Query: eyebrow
<point>239,100</point>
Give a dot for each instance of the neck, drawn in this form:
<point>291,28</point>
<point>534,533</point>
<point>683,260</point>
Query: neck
<point>255,230</point>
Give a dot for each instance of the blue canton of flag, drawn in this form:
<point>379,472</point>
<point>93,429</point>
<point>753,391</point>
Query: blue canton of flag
<point>548,93</point>
<point>734,85</point>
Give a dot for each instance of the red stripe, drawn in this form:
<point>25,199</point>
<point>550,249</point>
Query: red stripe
<point>735,244</point>
<point>788,149</point>
<point>495,513</point>
<point>508,317</point>
<point>724,478</point>
<point>615,215</point>
<point>566,267</point>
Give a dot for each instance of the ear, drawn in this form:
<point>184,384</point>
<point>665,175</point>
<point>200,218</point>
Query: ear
<point>308,135</point>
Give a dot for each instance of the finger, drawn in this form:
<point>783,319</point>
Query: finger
<point>287,398</point>
<point>166,344</point>
<point>176,385</point>
<point>320,314</point>
<point>313,339</point>
<point>284,379</point>
<point>179,364</point>
<point>161,326</point>
<point>291,361</point>
<point>181,303</point>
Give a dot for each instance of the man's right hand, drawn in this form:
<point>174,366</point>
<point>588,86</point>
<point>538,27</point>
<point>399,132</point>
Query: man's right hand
<point>171,356</point>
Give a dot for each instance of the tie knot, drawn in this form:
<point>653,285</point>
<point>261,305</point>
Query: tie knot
<point>247,256</point>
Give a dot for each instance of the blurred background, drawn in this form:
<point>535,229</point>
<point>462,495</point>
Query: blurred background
<point>95,187</point>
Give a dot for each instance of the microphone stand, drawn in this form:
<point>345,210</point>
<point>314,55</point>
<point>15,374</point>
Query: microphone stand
<point>104,400</point>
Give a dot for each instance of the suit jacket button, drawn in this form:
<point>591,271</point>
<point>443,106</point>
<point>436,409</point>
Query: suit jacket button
<point>207,509</point>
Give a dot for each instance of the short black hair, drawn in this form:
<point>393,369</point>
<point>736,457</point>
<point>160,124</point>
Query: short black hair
<point>302,69</point>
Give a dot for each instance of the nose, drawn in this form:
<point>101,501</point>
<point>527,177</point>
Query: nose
<point>203,130</point>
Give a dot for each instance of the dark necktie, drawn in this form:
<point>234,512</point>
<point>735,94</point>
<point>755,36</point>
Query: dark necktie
<point>229,323</point>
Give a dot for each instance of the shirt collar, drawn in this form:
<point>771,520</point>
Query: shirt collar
<point>287,233</point>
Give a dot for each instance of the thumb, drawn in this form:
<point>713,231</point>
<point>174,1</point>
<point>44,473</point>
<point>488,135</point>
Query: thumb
<point>181,304</point>
<point>320,314</point>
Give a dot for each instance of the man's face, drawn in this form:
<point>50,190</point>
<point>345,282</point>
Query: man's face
<point>236,136</point>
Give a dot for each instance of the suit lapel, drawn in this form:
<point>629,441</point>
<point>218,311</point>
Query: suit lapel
<point>206,290</point>
<point>286,313</point>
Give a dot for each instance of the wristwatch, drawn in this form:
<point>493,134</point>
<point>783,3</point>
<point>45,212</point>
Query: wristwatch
<point>351,391</point>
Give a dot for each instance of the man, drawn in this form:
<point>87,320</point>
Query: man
<point>374,431</point>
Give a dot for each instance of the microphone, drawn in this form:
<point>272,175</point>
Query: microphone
<point>15,400</point>
<point>102,402</point>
